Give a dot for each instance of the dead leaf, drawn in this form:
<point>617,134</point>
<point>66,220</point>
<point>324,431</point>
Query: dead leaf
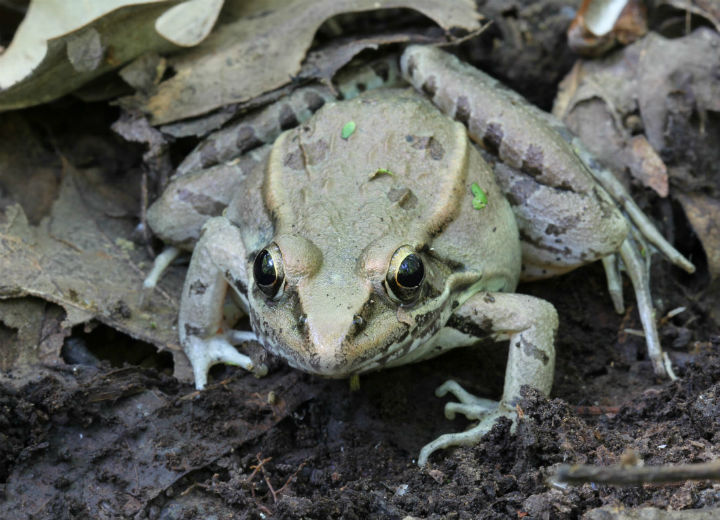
<point>263,50</point>
<point>62,45</point>
<point>708,9</point>
<point>81,258</point>
<point>646,166</point>
<point>703,212</point>
<point>668,68</point>
<point>662,87</point>
<point>31,331</point>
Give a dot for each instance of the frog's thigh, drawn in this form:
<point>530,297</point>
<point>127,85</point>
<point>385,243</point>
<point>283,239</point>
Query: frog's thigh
<point>217,262</point>
<point>191,199</point>
<point>530,325</point>
<point>560,229</point>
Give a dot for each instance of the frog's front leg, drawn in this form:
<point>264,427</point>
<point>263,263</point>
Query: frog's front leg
<point>530,324</point>
<point>218,262</point>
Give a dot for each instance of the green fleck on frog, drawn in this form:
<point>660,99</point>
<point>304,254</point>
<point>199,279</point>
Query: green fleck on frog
<point>480,197</point>
<point>406,267</point>
<point>348,129</point>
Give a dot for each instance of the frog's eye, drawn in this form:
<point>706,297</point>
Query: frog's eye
<point>268,270</point>
<point>405,275</point>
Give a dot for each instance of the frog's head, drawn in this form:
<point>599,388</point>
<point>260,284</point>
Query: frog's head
<point>369,234</point>
<point>333,315</point>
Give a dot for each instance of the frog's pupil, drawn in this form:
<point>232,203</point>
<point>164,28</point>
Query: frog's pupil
<point>264,268</point>
<point>411,271</point>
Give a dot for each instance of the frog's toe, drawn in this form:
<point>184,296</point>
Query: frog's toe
<point>465,397</point>
<point>160,265</point>
<point>486,411</point>
<point>472,412</point>
<point>614,284</point>
<point>468,437</point>
<point>204,353</point>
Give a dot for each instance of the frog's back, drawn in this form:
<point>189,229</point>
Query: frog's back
<point>403,175</point>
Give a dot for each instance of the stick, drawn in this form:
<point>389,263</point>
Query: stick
<point>636,475</point>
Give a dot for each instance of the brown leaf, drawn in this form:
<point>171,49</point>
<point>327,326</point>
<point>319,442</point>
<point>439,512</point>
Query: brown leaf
<point>703,212</point>
<point>31,331</point>
<point>263,50</point>
<point>81,258</point>
<point>646,166</point>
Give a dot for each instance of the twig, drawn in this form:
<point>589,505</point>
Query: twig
<point>636,475</point>
<point>596,410</point>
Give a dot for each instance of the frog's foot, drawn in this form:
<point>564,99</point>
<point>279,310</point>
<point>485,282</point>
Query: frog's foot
<point>485,411</point>
<point>160,265</point>
<point>206,352</point>
<point>640,278</point>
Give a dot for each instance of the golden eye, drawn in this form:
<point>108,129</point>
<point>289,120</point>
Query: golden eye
<point>405,275</point>
<point>268,270</point>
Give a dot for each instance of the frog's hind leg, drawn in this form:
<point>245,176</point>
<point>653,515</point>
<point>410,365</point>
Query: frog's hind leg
<point>560,230</point>
<point>530,324</point>
<point>187,203</point>
<point>191,199</point>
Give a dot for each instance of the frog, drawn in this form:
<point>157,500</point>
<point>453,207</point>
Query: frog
<point>375,233</point>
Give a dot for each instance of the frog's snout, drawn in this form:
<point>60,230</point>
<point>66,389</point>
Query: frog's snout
<point>337,342</point>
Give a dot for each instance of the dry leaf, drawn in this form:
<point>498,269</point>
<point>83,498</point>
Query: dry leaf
<point>656,85</point>
<point>264,49</point>
<point>646,166</point>
<point>33,332</point>
<point>708,9</point>
<point>62,45</point>
<point>703,212</point>
<point>80,257</point>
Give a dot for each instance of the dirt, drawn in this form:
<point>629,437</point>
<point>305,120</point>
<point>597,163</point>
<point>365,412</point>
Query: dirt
<point>93,440</point>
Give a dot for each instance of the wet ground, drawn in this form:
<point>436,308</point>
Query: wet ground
<point>106,442</point>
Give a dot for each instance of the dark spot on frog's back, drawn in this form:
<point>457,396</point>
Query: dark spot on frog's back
<point>462,110</point>
<point>430,86</point>
<point>554,230</point>
<point>533,160</point>
<point>294,160</point>
<point>313,100</point>
<point>493,137</point>
<point>520,191</point>
<point>316,152</point>
<point>246,139</point>
<point>208,154</point>
<point>288,119</point>
<point>202,203</point>
<point>432,145</point>
<point>197,288</point>
<point>403,197</point>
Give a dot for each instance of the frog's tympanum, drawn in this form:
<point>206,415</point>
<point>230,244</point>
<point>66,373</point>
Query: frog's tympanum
<point>375,234</point>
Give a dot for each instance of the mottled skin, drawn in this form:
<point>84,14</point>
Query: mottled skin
<point>338,211</point>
